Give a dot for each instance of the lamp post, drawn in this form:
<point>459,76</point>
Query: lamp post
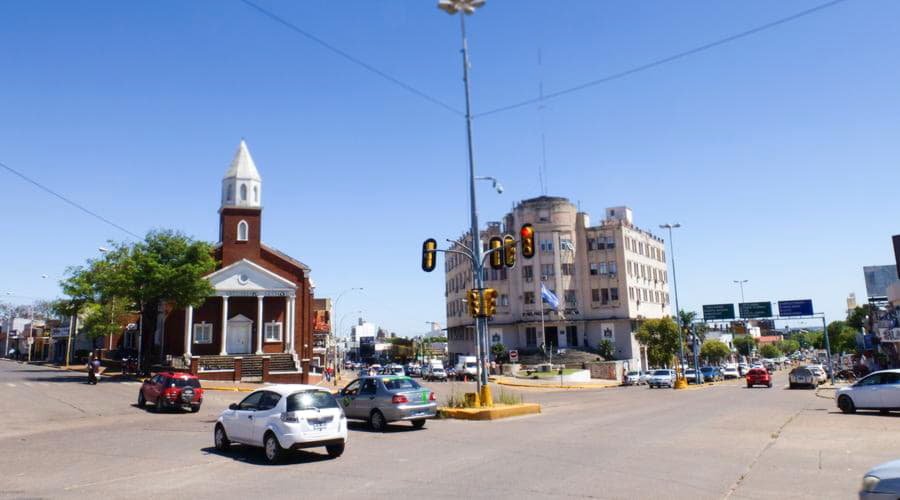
<point>741,282</point>
<point>681,383</point>
<point>333,331</point>
<point>468,7</point>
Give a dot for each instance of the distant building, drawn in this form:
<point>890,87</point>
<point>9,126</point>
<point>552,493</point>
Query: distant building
<point>608,278</point>
<point>878,280</point>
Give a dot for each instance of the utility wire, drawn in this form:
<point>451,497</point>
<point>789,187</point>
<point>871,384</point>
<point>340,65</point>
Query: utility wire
<point>665,60</point>
<point>409,88</point>
<point>67,200</point>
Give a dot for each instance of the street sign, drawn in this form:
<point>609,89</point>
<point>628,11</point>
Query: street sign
<point>755,309</point>
<point>514,356</point>
<point>795,307</point>
<point>718,311</point>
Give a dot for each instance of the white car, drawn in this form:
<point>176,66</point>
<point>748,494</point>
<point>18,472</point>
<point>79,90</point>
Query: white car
<point>662,378</point>
<point>819,372</point>
<point>284,417</point>
<point>632,378</point>
<point>730,372</point>
<point>876,391</point>
<point>645,377</point>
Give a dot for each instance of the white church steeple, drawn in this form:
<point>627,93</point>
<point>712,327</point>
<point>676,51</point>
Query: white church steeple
<point>242,186</point>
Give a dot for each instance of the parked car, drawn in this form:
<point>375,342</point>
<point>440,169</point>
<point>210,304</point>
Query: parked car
<point>802,376</point>
<point>632,378</point>
<point>285,417</point>
<point>645,377</point>
<point>171,390</point>
<point>435,374</point>
<point>690,375</point>
<point>711,374</point>
<point>759,376</point>
<point>662,378</point>
<point>877,391</point>
<point>881,482</point>
<point>730,373</point>
<point>819,372</point>
<point>383,399</point>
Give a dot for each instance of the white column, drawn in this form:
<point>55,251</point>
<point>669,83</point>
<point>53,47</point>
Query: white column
<point>259,324</point>
<point>288,320</point>
<point>188,330</point>
<point>224,350</point>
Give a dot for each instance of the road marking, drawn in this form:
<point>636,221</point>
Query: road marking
<point>27,384</point>
<point>11,385</point>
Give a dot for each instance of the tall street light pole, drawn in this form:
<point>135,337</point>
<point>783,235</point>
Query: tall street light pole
<point>467,7</point>
<point>741,282</point>
<point>670,227</point>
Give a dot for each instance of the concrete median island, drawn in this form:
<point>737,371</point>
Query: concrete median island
<point>495,412</point>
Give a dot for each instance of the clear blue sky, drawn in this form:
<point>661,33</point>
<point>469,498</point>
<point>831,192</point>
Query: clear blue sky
<point>778,153</point>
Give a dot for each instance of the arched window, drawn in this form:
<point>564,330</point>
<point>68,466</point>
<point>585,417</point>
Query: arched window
<point>256,194</point>
<point>242,231</point>
<point>243,192</point>
<point>230,192</point>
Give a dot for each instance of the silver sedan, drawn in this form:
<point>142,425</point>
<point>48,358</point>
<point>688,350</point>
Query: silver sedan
<point>382,399</point>
<point>882,482</point>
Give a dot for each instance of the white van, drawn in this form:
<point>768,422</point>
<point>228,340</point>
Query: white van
<point>466,366</point>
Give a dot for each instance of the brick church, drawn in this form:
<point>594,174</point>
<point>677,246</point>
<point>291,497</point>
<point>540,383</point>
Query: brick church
<point>258,324</point>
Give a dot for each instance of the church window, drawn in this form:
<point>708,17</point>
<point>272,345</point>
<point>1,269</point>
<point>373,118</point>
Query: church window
<point>243,192</point>
<point>242,231</point>
<point>203,333</point>
<point>256,194</point>
<point>230,196</point>
<point>273,332</point>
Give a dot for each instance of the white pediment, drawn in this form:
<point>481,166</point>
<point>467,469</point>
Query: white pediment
<point>245,277</point>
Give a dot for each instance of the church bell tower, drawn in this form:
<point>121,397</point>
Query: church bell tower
<point>240,212</point>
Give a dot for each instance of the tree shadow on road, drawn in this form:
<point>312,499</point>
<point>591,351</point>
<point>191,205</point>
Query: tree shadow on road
<point>254,456</point>
<point>76,379</point>
<point>390,428</point>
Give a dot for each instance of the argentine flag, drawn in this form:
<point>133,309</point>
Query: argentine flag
<point>548,297</point>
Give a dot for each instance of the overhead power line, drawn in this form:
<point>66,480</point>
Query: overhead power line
<point>67,200</point>
<point>664,60</point>
<point>409,88</point>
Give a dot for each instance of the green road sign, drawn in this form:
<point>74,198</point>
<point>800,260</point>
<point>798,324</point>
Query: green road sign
<point>750,310</point>
<point>718,311</point>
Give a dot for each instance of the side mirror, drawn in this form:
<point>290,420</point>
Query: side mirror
<point>233,406</point>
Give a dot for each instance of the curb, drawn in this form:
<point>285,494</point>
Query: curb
<point>548,386</point>
<point>494,413</point>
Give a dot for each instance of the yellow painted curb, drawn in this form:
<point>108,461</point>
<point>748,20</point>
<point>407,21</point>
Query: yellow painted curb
<point>494,413</point>
<point>548,386</point>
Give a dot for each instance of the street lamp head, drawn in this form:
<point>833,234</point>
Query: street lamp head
<point>669,226</point>
<point>103,249</point>
<point>465,6</point>
<point>498,187</point>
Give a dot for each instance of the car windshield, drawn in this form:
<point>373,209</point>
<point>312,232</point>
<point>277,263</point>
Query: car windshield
<point>184,382</point>
<point>633,374</point>
<point>311,400</point>
<point>399,383</point>
<point>661,372</point>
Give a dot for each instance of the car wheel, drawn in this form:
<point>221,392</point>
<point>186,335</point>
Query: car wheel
<point>769,385</point>
<point>220,438</point>
<point>377,421</point>
<point>195,408</point>
<point>158,405</point>
<point>884,412</point>
<point>418,424</point>
<point>846,404</point>
<point>273,449</point>
<point>792,385</point>
<point>335,450</point>
<point>142,403</point>
<point>749,385</point>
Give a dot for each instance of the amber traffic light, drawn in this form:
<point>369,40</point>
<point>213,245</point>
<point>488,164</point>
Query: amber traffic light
<point>473,302</point>
<point>509,250</point>
<point>429,255</point>
<point>496,257</point>
<point>490,301</point>
<point>527,234</point>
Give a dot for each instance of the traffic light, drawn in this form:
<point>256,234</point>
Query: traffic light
<point>473,302</point>
<point>527,234</point>
<point>490,301</point>
<point>429,255</point>
<point>509,250</point>
<point>496,244</point>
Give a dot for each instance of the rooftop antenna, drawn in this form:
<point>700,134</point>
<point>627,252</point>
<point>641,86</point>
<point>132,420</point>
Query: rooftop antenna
<point>542,169</point>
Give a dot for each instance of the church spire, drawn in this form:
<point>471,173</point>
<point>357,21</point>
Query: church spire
<point>242,185</point>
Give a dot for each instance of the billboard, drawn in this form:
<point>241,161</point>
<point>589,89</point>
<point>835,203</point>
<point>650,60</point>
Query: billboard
<point>751,310</point>
<point>718,311</point>
<point>878,279</point>
<point>795,307</point>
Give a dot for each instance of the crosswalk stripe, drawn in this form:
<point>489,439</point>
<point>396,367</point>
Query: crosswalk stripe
<point>28,384</point>
<point>11,385</point>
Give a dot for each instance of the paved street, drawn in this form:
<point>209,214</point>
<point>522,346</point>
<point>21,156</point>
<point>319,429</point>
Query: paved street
<point>66,439</point>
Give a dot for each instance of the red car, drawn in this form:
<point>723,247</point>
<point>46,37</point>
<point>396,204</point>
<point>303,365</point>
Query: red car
<point>171,390</point>
<point>759,376</point>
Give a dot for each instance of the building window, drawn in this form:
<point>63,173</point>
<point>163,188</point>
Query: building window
<point>531,336</point>
<point>611,243</point>
<point>595,268</point>
<point>203,333</point>
<point>592,244</point>
<point>546,271</point>
<point>242,231</point>
<point>568,269</point>
<point>273,332</point>
<point>528,297</point>
<point>256,194</point>
<point>527,274</point>
<point>546,246</point>
<point>614,294</point>
<point>603,268</point>
<point>571,298</point>
<point>504,300</point>
<point>604,296</point>
<point>613,270</point>
<point>230,195</point>
<point>572,335</point>
<point>243,192</point>
<point>644,293</point>
<point>595,295</point>
<point>631,292</point>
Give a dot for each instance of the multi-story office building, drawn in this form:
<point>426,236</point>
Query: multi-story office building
<point>607,277</point>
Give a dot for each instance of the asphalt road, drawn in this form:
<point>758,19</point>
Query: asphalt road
<point>62,438</point>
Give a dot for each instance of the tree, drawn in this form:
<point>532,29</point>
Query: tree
<point>788,346</point>
<point>606,349</point>
<point>687,319</point>
<point>769,351</point>
<point>714,350</point>
<point>862,317</point>
<point>660,336</point>
<point>744,344</point>
<point>498,350</point>
<point>842,337</point>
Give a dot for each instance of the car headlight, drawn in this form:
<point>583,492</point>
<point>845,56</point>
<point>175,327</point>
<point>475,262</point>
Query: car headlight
<point>869,483</point>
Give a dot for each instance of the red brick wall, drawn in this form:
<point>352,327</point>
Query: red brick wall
<point>232,249</point>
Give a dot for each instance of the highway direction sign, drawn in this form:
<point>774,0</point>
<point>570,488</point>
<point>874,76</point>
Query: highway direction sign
<point>718,311</point>
<point>795,307</point>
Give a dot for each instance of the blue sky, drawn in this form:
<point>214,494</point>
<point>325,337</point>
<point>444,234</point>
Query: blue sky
<point>777,153</point>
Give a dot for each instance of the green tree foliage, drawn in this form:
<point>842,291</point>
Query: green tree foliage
<point>606,349</point>
<point>687,319</point>
<point>842,337</point>
<point>862,317</point>
<point>769,351</point>
<point>498,351</point>
<point>788,346</point>
<point>714,350</point>
<point>744,344</point>
<point>807,340</point>
<point>660,336</point>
